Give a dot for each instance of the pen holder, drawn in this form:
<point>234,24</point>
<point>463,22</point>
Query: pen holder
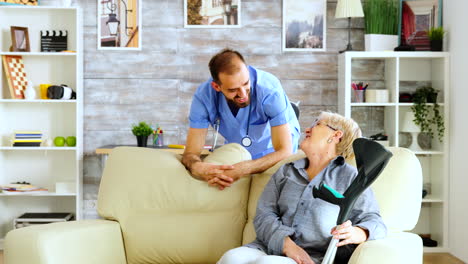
<point>158,140</point>
<point>358,96</point>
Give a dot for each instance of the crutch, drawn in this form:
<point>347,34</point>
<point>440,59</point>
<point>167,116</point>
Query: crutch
<point>371,159</point>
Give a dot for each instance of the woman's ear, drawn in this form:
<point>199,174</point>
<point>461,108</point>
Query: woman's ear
<point>338,135</point>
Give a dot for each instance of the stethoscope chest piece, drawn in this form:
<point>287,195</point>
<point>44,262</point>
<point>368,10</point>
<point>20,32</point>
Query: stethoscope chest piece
<point>246,141</point>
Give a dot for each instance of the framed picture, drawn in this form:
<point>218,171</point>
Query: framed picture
<point>417,17</point>
<point>304,25</point>
<point>19,2</point>
<point>19,39</point>
<point>119,24</point>
<point>212,13</point>
<point>16,75</point>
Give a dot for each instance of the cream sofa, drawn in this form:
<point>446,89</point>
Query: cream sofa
<point>156,213</point>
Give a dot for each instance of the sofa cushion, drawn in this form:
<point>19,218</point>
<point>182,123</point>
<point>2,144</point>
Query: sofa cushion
<point>258,184</point>
<point>167,216</point>
<point>402,176</point>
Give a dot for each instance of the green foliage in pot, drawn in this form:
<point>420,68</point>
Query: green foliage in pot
<point>142,129</point>
<point>426,115</point>
<point>436,33</point>
<point>382,16</point>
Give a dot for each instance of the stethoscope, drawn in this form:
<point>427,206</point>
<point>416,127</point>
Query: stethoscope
<point>246,141</point>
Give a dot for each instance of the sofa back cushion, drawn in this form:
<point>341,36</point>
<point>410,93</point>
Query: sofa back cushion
<point>397,190</point>
<point>258,184</point>
<point>165,215</point>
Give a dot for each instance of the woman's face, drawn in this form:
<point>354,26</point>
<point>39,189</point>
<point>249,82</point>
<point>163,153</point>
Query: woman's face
<point>317,135</point>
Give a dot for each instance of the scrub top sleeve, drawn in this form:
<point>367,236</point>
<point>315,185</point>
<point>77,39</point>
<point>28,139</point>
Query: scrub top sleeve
<point>276,106</point>
<point>198,117</point>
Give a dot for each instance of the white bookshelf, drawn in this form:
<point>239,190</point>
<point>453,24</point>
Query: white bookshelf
<point>46,165</point>
<point>404,72</point>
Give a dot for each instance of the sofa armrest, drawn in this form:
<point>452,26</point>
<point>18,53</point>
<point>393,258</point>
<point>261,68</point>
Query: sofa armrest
<point>401,247</point>
<point>91,241</point>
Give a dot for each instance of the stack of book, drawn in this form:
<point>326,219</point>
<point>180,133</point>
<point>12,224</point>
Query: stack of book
<point>27,139</point>
<point>29,219</point>
<point>22,188</point>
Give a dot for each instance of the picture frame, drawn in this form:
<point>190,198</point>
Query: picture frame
<point>304,25</point>
<point>19,39</point>
<point>416,17</point>
<point>212,14</point>
<point>119,24</point>
<point>16,75</point>
<point>19,2</point>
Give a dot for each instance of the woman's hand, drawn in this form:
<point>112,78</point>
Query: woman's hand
<point>349,234</point>
<point>299,255</point>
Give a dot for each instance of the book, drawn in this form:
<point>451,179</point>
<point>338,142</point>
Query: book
<point>22,189</point>
<point>27,144</point>
<point>44,217</point>
<point>29,140</point>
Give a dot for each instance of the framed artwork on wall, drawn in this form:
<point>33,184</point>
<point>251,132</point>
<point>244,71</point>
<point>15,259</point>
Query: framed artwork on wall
<point>19,39</point>
<point>119,24</point>
<point>417,17</point>
<point>19,2</point>
<point>212,13</point>
<point>304,25</point>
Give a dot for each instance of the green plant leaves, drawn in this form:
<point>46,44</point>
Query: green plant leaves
<point>427,115</point>
<point>382,16</point>
<point>142,129</point>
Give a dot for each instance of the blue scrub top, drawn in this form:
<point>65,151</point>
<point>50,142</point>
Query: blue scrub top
<point>270,107</point>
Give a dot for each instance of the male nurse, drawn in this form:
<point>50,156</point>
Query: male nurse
<point>247,106</point>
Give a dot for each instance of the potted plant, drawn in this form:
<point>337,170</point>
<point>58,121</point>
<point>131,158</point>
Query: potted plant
<point>381,24</point>
<point>427,112</point>
<point>436,36</point>
<point>142,131</point>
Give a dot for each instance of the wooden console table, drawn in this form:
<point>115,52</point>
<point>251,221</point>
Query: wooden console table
<point>107,149</point>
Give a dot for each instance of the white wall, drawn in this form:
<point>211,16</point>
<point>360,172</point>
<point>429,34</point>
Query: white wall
<point>456,22</point>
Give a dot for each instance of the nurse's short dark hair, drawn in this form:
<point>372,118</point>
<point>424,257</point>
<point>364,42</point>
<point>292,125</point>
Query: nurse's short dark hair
<point>223,62</point>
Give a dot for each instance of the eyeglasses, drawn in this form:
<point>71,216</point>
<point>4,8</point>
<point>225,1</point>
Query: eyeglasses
<point>317,123</point>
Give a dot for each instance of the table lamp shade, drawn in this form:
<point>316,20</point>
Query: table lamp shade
<point>408,124</point>
<point>349,8</point>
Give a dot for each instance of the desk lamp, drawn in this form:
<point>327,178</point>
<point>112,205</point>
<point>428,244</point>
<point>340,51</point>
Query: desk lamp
<point>348,9</point>
<point>408,125</point>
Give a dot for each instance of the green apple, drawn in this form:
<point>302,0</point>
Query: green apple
<point>59,141</point>
<point>71,141</point>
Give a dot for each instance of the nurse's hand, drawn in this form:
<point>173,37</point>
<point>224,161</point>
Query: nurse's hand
<point>214,174</point>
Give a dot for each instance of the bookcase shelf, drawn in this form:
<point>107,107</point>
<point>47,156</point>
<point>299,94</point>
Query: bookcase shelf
<point>404,72</point>
<point>39,148</point>
<point>51,194</point>
<point>42,166</point>
<point>57,54</point>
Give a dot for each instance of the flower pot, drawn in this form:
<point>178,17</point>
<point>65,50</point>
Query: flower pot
<point>142,141</point>
<point>379,42</point>
<point>436,45</point>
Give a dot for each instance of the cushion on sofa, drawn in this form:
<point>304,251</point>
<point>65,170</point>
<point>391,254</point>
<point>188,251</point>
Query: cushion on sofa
<point>167,216</point>
<point>258,184</point>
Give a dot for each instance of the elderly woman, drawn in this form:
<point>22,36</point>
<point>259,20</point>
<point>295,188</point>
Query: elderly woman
<point>294,227</point>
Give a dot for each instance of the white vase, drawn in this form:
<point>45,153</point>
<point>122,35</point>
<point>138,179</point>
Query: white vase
<point>378,42</point>
<point>30,92</point>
